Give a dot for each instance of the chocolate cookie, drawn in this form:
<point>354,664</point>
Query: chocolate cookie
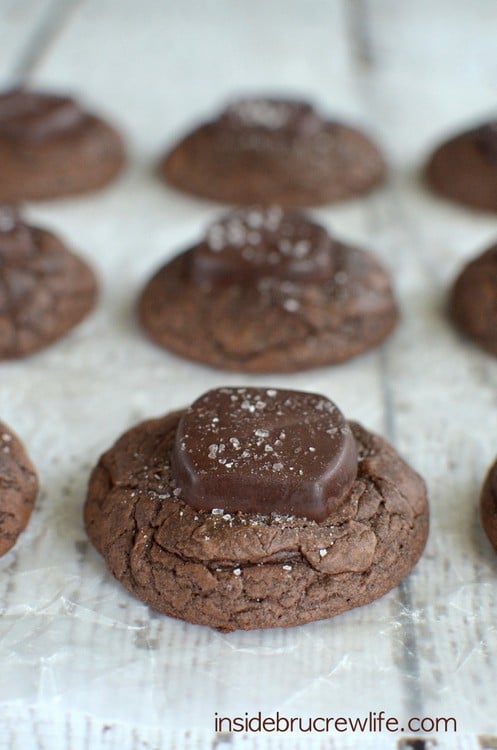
<point>464,168</point>
<point>256,508</point>
<point>488,505</point>
<point>45,290</point>
<point>50,147</point>
<point>268,291</point>
<point>18,488</point>
<point>473,300</point>
<point>274,151</point>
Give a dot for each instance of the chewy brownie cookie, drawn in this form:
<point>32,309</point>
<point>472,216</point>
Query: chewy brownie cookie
<point>473,300</point>
<point>256,508</point>
<point>18,488</point>
<point>50,147</point>
<point>464,168</point>
<point>45,290</point>
<point>268,291</point>
<point>488,505</point>
<point>274,151</point>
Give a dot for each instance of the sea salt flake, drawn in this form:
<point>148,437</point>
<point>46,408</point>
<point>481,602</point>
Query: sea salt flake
<point>278,467</point>
<point>291,305</point>
<point>261,433</point>
<point>301,249</point>
<point>323,552</point>
<point>255,219</point>
<point>287,567</point>
<point>217,511</point>
<point>237,572</point>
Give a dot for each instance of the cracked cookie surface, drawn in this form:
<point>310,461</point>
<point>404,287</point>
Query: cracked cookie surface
<point>239,570</point>
<point>279,321</point>
<point>18,488</point>
<point>45,290</point>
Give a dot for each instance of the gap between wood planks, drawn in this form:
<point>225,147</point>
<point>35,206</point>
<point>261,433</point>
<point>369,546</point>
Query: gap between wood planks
<point>42,39</point>
<point>362,53</point>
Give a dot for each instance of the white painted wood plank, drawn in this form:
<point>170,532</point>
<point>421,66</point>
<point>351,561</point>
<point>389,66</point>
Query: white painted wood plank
<point>27,28</point>
<point>443,389</point>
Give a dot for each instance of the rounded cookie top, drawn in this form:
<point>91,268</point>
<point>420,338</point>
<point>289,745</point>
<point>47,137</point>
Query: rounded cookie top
<point>473,300</point>
<point>18,488</point>
<point>50,146</point>
<point>488,505</point>
<point>268,150</point>
<point>45,290</point>
<point>269,290</point>
<point>232,567</point>
<point>464,168</point>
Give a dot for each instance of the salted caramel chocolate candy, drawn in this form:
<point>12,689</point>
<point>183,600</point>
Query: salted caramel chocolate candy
<point>247,245</point>
<point>264,116</point>
<point>259,450</point>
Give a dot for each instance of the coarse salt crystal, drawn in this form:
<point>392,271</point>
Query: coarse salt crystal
<point>261,433</point>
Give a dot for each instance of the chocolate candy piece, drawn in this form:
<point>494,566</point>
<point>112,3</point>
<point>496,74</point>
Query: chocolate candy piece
<point>265,451</point>
<point>253,243</point>
<point>32,116</point>
<point>296,118</point>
